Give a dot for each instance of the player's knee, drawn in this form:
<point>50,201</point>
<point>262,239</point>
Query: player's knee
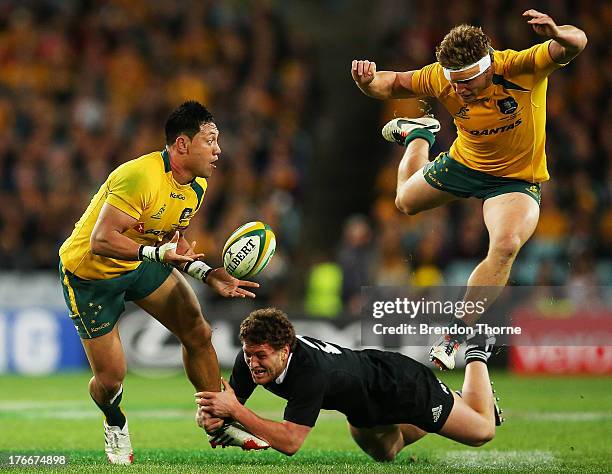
<point>382,455</point>
<point>483,437</point>
<point>109,383</point>
<point>505,249</point>
<point>199,335</point>
<point>405,206</point>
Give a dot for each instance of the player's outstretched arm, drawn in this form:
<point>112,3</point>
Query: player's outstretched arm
<point>381,84</point>
<point>285,437</point>
<point>107,239</point>
<point>568,41</point>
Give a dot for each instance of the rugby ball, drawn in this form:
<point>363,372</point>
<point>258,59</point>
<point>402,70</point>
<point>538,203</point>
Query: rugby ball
<point>249,249</point>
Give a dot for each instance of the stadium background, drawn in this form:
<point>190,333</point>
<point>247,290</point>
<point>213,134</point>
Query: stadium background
<point>87,85</point>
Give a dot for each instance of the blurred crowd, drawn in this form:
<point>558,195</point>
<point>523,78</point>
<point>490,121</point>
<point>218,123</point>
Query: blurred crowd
<point>86,86</point>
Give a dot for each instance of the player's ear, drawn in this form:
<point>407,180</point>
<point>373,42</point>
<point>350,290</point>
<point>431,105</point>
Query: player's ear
<point>182,143</point>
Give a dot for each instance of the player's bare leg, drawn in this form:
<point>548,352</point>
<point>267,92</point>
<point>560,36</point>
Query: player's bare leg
<point>413,193</point>
<point>175,305</point>
<point>383,443</point>
<point>510,219</point>
<point>107,361</point>
<point>472,419</point>
<point>411,433</point>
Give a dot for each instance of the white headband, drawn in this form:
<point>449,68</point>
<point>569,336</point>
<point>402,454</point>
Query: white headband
<point>468,72</point>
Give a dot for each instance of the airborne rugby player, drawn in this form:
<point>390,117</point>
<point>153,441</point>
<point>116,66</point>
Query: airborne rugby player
<point>498,103</point>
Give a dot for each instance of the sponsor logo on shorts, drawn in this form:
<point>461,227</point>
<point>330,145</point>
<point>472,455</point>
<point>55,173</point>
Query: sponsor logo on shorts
<point>436,412</point>
<point>533,190</point>
<point>105,325</point>
<point>495,131</point>
<point>437,181</point>
<point>444,388</point>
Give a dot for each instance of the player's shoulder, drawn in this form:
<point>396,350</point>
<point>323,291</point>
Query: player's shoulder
<point>430,81</point>
<point>510,59</point>
<point>145,163</point>
<point>147,168</point>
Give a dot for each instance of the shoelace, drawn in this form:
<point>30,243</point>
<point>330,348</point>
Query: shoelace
<point>449,345</point>
<point>112,438</point>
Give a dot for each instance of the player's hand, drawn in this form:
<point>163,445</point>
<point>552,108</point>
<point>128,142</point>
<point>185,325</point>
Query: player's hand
<point>218,404</point>
<point>363,71</point>
<point>208,423</point>
<point>169,252</point>
<point>183,248</point>
<point>228,286</point>
<point>542,24</point>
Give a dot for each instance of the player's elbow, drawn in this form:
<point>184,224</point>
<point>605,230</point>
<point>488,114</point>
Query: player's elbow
<point>293,440</point>
<point>583,40</point>
<point>95,243</point>
<point>98,242</point>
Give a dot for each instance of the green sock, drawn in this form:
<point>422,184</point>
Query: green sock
<point>112,412</point>
<point>420,133</point>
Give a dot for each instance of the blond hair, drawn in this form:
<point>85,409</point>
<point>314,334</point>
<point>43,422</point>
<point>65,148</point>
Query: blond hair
<point>462,46</point>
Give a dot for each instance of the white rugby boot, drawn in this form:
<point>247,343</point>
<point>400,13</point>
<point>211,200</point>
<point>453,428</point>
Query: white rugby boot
<point>234,434</point>
<point>443,352</point>
<point>396,130</point>
<point>117,445</point>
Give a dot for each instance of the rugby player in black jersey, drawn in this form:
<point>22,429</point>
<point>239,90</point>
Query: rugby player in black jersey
<point>390,400</point>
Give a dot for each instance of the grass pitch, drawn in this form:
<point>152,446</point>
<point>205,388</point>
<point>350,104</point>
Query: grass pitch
<point>554,425</point>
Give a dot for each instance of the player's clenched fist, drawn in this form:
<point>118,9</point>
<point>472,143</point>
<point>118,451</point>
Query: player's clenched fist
<point>363,71</point>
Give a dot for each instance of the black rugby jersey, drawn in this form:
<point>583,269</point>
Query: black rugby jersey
<point>370,387</point>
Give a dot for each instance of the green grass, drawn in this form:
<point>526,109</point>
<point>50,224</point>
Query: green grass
<point>554,425</point>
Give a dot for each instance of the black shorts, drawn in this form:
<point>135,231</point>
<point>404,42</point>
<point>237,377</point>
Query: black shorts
<point>404,391</point>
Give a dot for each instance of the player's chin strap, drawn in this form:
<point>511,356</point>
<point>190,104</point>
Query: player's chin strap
<point>468,72</point>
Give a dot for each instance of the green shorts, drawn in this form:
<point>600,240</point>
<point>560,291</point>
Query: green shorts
<point>448,175</point>
<point>95,305</point>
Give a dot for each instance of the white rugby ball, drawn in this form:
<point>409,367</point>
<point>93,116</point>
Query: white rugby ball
<point>249,249</point>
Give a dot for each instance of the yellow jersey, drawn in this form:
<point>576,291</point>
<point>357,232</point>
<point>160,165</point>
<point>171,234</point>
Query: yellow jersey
<point>144,189</point>
<point>503,134</point>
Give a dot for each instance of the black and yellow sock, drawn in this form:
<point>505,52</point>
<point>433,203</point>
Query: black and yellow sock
<point>112,412</point>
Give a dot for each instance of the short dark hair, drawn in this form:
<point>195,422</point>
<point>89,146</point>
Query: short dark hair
<point>463,45</point>
<point>187,119</point>
<point>268,326</point>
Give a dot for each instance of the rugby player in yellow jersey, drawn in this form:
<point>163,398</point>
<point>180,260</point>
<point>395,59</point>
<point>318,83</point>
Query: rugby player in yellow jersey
<point>498,103</point>
<point>127,246</point>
